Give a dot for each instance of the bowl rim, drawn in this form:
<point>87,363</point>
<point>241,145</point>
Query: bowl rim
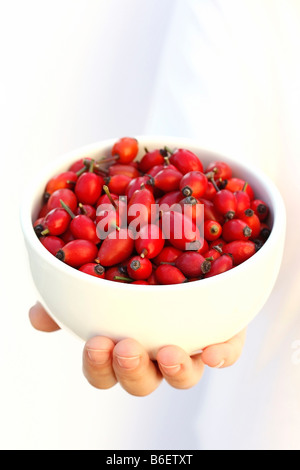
<point>31,190</point>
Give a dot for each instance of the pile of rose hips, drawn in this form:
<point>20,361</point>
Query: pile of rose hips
<point>233,227</point>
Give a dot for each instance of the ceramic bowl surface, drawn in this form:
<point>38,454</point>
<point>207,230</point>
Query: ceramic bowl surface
<point>191,315</point>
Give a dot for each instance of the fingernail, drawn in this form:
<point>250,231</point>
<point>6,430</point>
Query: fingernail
<point>220,364</point>
<point>128,362</point>
<point>197,351</point>
<point>170,370</point>
<point>98,356</point>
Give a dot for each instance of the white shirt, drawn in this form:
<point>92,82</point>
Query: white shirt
<point>223,72</point>
<point>231,78</point>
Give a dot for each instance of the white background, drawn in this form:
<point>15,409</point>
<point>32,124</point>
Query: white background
<point>66,81</point>
<point>74,72</point>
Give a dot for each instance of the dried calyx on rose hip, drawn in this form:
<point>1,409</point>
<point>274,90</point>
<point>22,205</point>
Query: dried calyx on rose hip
<point>162,219</point>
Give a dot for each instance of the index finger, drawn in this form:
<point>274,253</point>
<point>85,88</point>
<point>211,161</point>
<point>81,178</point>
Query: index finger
<point>224,354</point>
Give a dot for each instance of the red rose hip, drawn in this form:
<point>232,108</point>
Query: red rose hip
<point>124,170</point>
<point>89,188</point>
<point>239,184</point>
<point>168,274</point>
<point>66,179</point>
<point>77,252</point>
<point>240,250</point>
<point>252,221</point>
<point>192,264</point>
<point>220,265</point>
<point>260,208</point>
<point>125,149</point>
<point>242,202</point>
<point>56,222</point>
<point>116,248</point>
<point>167,255</point>
<point>139,268</point>
<point>225,203</point>
<point>150,241</point>
<point>82,226</point>
<point>151,159</point>
<point>117,184</point>
<point>140,207</point>
<point>66,195</point>
<point>236,229</point>
<point>52,243</point>
<point>167,179</point>
<point>212,230</point>
<point>179,229</point>
<point>221,170</point>
<point>186,161</point>
<point>93,269</point>
<point>193,184</point>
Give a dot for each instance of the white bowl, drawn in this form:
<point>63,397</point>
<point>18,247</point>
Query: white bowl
<point>191,315</point>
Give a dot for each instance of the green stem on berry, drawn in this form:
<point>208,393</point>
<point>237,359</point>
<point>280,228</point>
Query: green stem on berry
<point>80,172</point>
<point>168,150</point>
<point>123,278</point>
<point>144,253</point>
<point>167,161</point>
<point>105,160</point>
<point>107,192</point>
<point>91,166</point>
<point>210,177</point>
<point>100,171</point>
<point>82,208</point>
<point>115,226</point>
<point>151,180</point>
<point>67,208</point>
<point>245,186</point>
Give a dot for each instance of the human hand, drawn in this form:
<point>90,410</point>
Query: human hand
<point>106,363</point>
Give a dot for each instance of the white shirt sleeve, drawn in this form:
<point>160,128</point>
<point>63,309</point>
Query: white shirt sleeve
<point>230,78</point>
